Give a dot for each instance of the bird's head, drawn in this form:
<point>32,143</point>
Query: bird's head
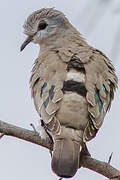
<point>44,26</point>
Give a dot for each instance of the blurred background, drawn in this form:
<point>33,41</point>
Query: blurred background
<point>99,22</point>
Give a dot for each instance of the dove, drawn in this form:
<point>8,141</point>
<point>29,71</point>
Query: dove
<point>72,85</point>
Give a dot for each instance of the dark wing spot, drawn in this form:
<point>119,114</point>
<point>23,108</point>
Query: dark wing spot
<point>42,89</point>
<point>51,92</point>
<point>98,100</point>
<point>46,102</point>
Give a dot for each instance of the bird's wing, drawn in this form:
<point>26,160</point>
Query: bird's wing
<point>46,83</point>
<point>101,83</point>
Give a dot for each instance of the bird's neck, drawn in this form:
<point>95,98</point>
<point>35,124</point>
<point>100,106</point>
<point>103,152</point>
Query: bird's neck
<point>69,38</point>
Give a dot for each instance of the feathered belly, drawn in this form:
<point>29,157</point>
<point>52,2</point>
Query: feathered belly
<point>73,111</point>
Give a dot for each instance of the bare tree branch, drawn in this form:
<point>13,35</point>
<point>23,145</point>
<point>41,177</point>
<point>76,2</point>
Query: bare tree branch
<point>100,167</point>
<point>24,134</point>
<point>110,158</point>
<point>32,125</point>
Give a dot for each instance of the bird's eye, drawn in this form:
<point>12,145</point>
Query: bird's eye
<point>42,25</point>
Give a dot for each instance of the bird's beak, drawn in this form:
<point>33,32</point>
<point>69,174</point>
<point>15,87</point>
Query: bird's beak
<point>26,42</point>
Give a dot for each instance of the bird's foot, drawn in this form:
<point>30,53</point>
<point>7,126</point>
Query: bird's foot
<point>84,152</point>
<point>1,135</point>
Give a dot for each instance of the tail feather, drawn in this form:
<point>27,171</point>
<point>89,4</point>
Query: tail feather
<point>65,160</point>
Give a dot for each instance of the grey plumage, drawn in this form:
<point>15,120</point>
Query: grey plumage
<point>72,85</point>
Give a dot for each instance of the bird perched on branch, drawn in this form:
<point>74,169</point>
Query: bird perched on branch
<point>72,86</point>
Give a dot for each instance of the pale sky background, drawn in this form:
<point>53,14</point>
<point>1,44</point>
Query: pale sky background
<point>99,22</point>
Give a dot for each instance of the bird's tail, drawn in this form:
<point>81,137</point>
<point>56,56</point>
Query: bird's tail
<point>65,159</point>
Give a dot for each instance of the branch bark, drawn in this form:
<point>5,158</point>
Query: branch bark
<point>100,167</point>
